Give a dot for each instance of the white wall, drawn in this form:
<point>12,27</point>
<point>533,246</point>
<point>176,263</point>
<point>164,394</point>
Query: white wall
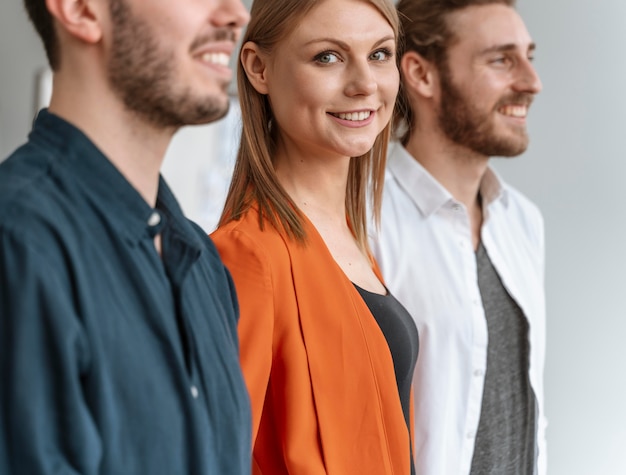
<point>574,170</point>
<point>21,56</point>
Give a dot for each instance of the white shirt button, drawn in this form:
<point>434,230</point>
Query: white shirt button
<point>470,435</point>
<point>194,392</point>
<point>478,373</point>
<point>154,219</point>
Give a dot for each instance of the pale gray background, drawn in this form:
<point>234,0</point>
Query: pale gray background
<point>574,170</point>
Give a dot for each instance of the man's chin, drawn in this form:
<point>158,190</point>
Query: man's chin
<point>510,149</point>
<point>205,111</point>
<point>214,115</point>
<point>500,146</point>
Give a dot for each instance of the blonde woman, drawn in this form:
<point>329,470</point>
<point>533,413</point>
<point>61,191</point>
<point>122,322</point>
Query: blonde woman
<point>327,353</point>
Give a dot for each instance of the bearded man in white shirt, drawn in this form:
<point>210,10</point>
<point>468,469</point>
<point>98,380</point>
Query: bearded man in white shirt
<point>461,249</point>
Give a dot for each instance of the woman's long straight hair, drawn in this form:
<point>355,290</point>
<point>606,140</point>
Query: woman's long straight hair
<point>254,179</point>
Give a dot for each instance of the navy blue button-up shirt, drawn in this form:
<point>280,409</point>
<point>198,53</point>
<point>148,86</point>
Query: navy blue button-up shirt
<point>113,359</point>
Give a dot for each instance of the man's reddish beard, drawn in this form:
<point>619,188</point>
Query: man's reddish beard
<point>469,127</point>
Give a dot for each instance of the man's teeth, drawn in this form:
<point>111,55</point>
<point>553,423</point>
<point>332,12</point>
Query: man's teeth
<point>216,58</point>
<point>515,111</point>
<point>354,115</point>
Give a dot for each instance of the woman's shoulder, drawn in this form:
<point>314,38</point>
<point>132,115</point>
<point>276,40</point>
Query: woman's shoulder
<point>248,231</point>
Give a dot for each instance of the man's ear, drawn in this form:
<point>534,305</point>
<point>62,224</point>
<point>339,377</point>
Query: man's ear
<point>418,74</point>
<point>255,65</point>
<point>80,18</point>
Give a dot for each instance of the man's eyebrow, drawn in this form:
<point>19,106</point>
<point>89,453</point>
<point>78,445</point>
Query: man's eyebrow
<point>506,47</point>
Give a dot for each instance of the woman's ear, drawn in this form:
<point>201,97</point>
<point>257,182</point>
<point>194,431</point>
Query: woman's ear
<point>255,65</point>
<point>418,74</point>
<point>80,18</point>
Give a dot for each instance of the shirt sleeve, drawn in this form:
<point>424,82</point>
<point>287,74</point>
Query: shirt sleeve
<point>45,424</point>
<point>251,273</point>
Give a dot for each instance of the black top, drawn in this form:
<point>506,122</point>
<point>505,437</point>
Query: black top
<point>113,360</point>
<point>401,334</point>
<point>506,439</point>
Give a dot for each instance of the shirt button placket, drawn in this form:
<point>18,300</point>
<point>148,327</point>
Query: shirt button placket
<point>194,391</point>
<point>154,219</point>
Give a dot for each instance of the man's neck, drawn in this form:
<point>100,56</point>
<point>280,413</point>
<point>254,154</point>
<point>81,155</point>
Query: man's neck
<point>135,148</point>
<point>457,169</point>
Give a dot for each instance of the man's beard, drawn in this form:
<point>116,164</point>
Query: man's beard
<point>141,73</point>
<point>470,127</point>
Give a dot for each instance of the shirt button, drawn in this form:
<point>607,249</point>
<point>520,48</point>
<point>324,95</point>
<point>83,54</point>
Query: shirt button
<point>456,207</point>
<point>194,392</point>
<point>154,219</point>
<point>470,435</point>
<point>478,373</point>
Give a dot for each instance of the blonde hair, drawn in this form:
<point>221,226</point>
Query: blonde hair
<point>254,178</point>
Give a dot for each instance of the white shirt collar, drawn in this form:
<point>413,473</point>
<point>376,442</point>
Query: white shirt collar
<point>426,192</point>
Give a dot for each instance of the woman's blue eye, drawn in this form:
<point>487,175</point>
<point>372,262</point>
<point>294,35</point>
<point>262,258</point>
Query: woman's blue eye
<point>327,58</point>
<point>381,55</point>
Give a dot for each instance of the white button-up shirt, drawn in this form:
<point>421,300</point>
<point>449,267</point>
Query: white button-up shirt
<point>425,252</point>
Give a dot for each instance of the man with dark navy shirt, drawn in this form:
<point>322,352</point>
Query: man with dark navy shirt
<point>118,338</point>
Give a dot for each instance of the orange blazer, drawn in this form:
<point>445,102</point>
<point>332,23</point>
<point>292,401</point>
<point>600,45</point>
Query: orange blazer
<point>318,368</point>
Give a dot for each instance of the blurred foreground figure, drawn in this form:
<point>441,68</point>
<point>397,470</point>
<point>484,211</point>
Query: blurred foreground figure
<point>118,343</point>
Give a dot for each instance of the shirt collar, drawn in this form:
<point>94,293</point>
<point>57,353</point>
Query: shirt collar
<point>101,181</point>
<point>426,192</point>
<point>492,189</point>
